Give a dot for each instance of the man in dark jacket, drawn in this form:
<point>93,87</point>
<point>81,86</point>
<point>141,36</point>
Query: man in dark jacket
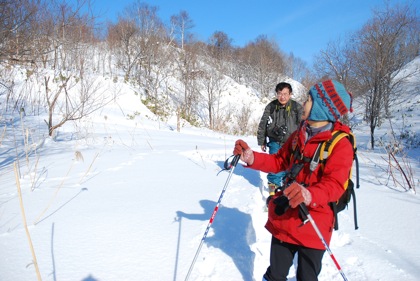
<point>281,117</point>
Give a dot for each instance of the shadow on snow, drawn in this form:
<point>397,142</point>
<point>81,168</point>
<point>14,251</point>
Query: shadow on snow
<point>252,176</point>
<point>233,232</point>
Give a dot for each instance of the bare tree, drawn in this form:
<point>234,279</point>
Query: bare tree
<point>243,120</point>
<point>56,36</point>
<point>214,55</point>
<point>155,50</point>
<point>298,70</point>
<point>144,49</point>
<point>263,64</point>
<point>190,74</point>
<point>379,52</point>
<point>335,61</point>
<point>17,30</point>
<point>214,83</point>
<point>181,25</point>
<point>71,99</point>
<point>220,46</point>
<point>187,66</point>
<point>122,41</point>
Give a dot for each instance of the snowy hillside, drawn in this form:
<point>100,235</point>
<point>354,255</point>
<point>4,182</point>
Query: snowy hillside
<point>129,198</point>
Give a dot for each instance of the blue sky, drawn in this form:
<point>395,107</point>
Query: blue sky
<point>301,27</point>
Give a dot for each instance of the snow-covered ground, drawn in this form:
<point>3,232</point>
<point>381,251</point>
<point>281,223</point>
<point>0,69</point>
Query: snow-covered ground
<point>132,199</point>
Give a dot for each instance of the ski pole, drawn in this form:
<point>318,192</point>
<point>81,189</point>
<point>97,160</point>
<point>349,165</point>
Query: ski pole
<point>318,232</point>
<point>216,208</point>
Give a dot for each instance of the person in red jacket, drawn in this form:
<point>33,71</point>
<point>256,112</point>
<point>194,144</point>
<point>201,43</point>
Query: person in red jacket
<point>327,102</point>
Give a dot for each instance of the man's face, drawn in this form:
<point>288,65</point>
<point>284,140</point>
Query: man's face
<point>283,96</point>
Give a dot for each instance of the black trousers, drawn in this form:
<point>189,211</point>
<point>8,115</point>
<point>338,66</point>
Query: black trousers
<point>281,259</point>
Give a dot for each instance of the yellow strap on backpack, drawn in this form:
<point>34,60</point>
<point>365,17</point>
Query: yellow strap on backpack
<point>336,137</point>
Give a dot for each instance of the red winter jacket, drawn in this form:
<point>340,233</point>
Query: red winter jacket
<point>325,187</point>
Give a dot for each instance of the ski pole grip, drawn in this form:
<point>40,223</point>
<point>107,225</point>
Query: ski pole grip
<point>304,209</point>
<point>235,160</point>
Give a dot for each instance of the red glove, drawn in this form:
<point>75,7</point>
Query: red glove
<point>242,148</point>
<point>297,194</point>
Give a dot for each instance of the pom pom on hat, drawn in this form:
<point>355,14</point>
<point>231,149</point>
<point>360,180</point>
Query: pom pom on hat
<point>330,101</point>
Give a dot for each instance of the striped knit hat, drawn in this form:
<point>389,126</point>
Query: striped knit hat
<point>330,101</point>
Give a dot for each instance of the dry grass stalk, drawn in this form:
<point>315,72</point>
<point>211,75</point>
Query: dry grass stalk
<point>55,195</point>
<point>25,223</point>
<point>3,134</point>
<point>90,166</point>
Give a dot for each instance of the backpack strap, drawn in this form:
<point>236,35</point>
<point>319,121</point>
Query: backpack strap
<point>353,193</point>
<point>316,158</point>
<point>272,108</point>
<point>274,105</point>
<point>328,147</point>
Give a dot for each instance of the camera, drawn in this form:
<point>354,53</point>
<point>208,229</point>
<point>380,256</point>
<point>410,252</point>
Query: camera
<point>280,131</point>
<point>282,202</point>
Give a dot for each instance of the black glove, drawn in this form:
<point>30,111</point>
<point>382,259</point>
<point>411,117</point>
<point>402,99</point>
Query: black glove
<point>282,205</point>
